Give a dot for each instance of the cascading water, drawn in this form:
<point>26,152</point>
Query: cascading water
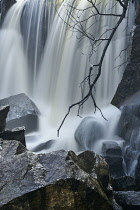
<point>45,60</point>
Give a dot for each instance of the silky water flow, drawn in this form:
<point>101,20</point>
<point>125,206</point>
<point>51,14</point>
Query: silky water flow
<point>43,58</point>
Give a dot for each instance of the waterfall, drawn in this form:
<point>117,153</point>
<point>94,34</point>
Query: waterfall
<point>41,57</point>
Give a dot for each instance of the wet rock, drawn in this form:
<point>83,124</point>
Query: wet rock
<point>129,130</point>
<point>137,19</point>
<point>5,6</point>
<point>132,100</point>
<point>128,200</point>
<point>129,121</point>
<point>115,166</point>
<point>137,169</point>
<point>88,132</point>
<point>57,180</point>
<point>14,134</point>
<point>116,206</point>
<point>3,114</point>
<point>23,112</point>
<point>130,158</point>
<point>44,146</point>
<point>111,148</point>
<point>126,183</point>
<point>130,82</point>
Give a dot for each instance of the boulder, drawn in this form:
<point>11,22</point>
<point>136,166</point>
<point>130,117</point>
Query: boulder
<point>23,112</point>
<point>111,148</point>
<point>57,180</point>
<point>3,114</point>
<point>88,132</point>
<point>126,183</point>
<point>128,200</point>
<point>14,134</point>
<point>115,166</point>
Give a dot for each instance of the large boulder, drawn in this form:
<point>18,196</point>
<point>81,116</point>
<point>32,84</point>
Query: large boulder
<point>57,180</point>
<point>88,132</point>
<point>3,115</point>
<point>23,112</point>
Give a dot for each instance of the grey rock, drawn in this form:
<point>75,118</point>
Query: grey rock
<point>111,148</point>
<point>132,100</point>
<point>129,121</point>
<point>137,19</point>
<point>137,169</point>
<point>128,199</point>
<point>130,82</point>
<point>88,132</point>
<point>115,166</point>
<point>129,129</point>
<point>5,6</point>
<point>23,112</point>
<point>58,179</point>
<point>3,114</point>
<point>116,206</point>
<point>14,134</point>
<point>126,183</point>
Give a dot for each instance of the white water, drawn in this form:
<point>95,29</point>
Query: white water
<point>51,76</point>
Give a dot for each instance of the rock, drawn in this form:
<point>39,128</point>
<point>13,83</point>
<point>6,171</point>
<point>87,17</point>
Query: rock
<point>5,6</point>
<point>126,183</point>
<point>3,114</point>
<point>23,112</point>
<point>128,200</point>
<point>14,134</point>
<point>130,82</point>
<point>129,130</point>
<point>132,100</point>
<point>130,158</point>
<point>44,146</point>
<point>129,121</point>
<point>111,148</point>
<point>57,180</point>
<point>115,166</point>
<point>116,206</point>
<point>137,169</point>
<point>137,19</point>
<point>88,132</point>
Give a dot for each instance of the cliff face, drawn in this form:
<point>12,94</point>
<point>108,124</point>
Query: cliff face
<point>130,82</point>
<point>5,6</point>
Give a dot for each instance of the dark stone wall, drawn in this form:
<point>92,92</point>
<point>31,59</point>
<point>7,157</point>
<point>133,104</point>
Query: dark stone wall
<point>130,82</point>
<point>5,6</point>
